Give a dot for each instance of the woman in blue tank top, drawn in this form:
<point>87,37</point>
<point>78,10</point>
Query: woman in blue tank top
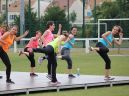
<point>102,47</point>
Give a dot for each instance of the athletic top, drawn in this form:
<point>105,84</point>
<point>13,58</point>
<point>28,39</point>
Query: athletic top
<point>109,38</point>
<point>48,38</point>
<point>32,43</point>
<point>55,44</point>
<point>68,44</point>
<point>9,41</point>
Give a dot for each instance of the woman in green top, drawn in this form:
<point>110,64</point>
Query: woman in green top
<point>51,49</point>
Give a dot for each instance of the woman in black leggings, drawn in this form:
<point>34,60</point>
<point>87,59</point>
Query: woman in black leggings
<point>51,49</point>
<point>102,50</point>
<point>6,41</point>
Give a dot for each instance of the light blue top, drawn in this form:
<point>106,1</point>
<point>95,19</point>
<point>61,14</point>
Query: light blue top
<point>109,38</point>
<point>68,44</point>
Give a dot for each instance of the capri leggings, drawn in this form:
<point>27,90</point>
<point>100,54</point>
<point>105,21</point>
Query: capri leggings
<point>65,52</point>
<point>103,53</point>
<point>30,57</point>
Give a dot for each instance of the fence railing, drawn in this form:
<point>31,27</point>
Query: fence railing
<point>86,40</point>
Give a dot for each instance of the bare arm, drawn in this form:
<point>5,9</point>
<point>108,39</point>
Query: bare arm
<point>119,42</point>
<point>59,31</point>
<point>20,37</point>
<point>104,37</point>
<point>3,37</point>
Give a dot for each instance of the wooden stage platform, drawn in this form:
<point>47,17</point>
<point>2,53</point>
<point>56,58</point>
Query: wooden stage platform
<point>25,84</point>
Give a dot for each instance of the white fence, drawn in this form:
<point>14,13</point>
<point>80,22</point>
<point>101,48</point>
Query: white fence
<point>86,40</point>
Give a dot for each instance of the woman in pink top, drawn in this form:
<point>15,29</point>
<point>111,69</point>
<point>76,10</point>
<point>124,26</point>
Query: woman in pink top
<point>33,43</point>
<point>46,38</point>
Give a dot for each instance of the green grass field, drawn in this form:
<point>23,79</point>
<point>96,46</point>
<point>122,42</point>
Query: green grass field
<point>89,64</point>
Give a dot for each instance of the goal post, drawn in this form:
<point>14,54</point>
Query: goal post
<point>100,20</point>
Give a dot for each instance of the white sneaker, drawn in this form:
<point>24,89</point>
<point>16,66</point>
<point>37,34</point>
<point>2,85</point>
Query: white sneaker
<point>109,78</point>
<point>55,83</point>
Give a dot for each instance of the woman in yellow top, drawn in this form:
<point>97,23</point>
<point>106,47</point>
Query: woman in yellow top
<point>6,41</point>
<point>51,49</point>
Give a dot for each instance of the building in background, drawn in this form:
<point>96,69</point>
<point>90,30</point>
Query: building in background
<point>74,5</point>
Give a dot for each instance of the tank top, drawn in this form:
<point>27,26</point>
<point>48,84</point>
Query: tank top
<point>68,44</point>
<point>9,41</point>
<point>55,44</point>
<point>48,38</point>
<point>109,38</point>
<point>32,43</point>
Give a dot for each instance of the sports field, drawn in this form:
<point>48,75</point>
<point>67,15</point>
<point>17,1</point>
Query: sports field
<point>89,64</point>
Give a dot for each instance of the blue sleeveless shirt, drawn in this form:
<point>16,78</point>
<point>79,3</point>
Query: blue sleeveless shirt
<point>68,44</point>
<point>109,38</point>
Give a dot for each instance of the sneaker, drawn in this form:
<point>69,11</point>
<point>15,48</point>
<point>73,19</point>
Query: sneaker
<point>91,48</point>
<point>33,74</point>
<point>55,83</point>
<point>10,81</point>
<point>40,60</point>
<point>1,77</point>
<point>20,52</point>
<point>109,78</point>
<point>71,76</point>
<point>49,77</point>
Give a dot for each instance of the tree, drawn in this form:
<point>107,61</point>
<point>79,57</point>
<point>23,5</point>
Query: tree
<point>73,16</point>
<point>2,19</point>
<point>116,9</point>
<point>34,21</point>
<point>54,13</point>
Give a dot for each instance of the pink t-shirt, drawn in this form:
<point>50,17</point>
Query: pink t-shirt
<point>33,43</point>
<point>48,38</point>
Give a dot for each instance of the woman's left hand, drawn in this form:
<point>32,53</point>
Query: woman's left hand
<point>26,32</point>
<point>121,34</point>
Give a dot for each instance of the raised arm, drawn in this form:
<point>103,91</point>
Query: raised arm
<point>119,42</point>
<point>59,31</point>
<point>22,36</point>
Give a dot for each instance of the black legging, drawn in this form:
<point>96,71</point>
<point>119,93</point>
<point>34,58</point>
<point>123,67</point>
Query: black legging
<point>103,53</point>
<point>4,57</point>
<point>30,57</point>
<point>65,52</point>
<point>48,64</point>
<point>51,54</point>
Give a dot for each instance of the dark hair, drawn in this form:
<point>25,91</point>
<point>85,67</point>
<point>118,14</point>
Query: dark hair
<point>38,32</point>
<point>65,33</point>
<point>49,23</point>
<point>72,28</point>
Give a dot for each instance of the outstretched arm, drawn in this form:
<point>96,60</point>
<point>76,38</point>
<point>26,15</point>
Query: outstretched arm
<point>22,36</point>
